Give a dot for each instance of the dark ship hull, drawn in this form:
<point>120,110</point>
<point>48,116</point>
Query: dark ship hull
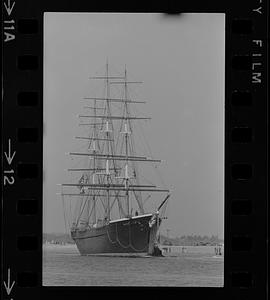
<point>133,235</point>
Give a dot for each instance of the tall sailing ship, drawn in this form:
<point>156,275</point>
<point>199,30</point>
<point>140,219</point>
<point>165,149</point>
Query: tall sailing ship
<point>109,214</point>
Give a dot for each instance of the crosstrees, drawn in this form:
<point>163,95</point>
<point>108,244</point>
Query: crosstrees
<point>113,100</point>
<point>115,117</point>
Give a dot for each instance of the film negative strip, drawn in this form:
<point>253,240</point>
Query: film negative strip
<point>23,146</point>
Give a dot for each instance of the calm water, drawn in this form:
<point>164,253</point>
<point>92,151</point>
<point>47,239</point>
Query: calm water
<point>198,266</point>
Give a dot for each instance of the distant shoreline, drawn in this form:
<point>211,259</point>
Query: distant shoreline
<point>183,241</point>
<point>72,249</point>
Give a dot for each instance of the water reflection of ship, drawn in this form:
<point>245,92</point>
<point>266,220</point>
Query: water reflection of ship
<point>110,178</point>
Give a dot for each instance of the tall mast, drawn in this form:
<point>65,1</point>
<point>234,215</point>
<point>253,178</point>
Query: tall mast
<point>94,167</point>
<point>126,142</point>
<point>108,138</point>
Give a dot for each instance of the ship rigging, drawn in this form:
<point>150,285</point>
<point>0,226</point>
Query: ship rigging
<point>111,176</point>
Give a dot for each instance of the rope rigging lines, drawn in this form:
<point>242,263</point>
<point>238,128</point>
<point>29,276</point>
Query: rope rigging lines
<point>129,240</point>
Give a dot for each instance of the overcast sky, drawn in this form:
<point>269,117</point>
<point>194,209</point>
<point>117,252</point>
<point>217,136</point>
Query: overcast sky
<point>181,63</point>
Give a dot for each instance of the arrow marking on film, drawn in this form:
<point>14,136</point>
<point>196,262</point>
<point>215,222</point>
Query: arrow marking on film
<point>7,286</point>
<point>9,157</point>
<point>8,7</point>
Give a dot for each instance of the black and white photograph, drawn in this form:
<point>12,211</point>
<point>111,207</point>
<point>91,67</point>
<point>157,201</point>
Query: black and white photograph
<point>133,149</point>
